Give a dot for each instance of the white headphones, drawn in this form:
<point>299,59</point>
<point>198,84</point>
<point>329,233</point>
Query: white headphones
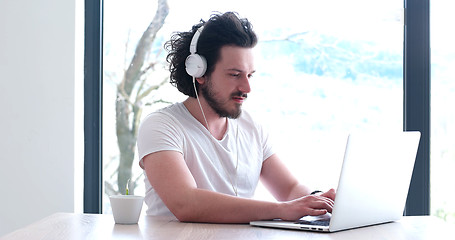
<point>195,64</point>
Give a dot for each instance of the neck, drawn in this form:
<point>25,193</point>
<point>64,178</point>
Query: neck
<point>217,125</point>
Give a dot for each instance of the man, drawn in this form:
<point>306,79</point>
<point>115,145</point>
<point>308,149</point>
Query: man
<point>203,157</point>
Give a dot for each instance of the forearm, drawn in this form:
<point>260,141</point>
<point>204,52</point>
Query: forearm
<point>298,191</point>
<point>207,206</point>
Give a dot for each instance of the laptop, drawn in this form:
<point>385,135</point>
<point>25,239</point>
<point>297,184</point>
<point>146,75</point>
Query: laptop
<point>373,184</point>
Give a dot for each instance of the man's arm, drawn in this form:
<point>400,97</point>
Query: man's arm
<point>174,183</point>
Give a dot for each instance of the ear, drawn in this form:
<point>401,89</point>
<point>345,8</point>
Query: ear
<point>201,80</point>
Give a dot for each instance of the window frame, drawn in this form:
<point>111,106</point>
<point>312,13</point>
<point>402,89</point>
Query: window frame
<point>93,106</point>
<point>416,108</point>
<point>416,102</point>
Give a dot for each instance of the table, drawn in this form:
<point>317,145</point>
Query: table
<point>102,226</point>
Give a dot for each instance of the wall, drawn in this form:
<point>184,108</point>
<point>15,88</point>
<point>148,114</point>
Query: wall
<point>37,105</point>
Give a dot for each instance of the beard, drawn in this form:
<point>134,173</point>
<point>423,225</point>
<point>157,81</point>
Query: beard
<point>219,105</point>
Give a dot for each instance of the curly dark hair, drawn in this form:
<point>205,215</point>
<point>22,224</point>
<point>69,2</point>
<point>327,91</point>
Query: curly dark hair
<point>220,30</point>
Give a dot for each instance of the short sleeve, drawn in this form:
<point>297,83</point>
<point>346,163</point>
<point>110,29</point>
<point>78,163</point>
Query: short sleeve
<point>159,132</point>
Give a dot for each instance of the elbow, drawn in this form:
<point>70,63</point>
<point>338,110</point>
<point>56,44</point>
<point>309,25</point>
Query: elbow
<point>185,215</point>
<point>186,207</point>
<point>184,212</point>
<point>184,218</point>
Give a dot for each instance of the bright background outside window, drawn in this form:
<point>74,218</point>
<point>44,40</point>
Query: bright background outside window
<point>324,69</point>
<point>442,113</point>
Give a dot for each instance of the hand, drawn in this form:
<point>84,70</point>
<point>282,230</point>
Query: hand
<point>312,205</point>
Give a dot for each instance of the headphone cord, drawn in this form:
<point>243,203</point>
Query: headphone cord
<point>197,97</point>
<point>216,149</point>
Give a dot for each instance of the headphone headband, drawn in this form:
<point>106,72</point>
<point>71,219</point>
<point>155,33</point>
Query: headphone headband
<point>193,45</point>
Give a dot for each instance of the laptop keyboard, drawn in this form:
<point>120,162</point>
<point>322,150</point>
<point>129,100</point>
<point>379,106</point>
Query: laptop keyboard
<point>325,222</point>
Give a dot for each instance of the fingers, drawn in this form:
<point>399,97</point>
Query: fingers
<point>329,194</point>
<point>316,212</point>
<point>320,203</point>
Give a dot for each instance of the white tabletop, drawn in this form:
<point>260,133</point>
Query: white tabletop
<point>100,226</point>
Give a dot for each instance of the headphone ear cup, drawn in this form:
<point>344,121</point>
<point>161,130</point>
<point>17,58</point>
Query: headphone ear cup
<point>195,65</point>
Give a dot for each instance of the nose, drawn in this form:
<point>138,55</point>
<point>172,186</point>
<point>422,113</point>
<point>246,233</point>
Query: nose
<point>245,84</point>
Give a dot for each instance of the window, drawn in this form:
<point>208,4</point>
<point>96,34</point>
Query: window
<point>443,117</point>
<point>324,71</point>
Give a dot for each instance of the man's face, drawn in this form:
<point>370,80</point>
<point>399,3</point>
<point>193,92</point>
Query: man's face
<point>227,87</point>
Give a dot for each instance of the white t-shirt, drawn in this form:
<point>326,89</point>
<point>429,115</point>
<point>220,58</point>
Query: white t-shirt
<point>174,128</point>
